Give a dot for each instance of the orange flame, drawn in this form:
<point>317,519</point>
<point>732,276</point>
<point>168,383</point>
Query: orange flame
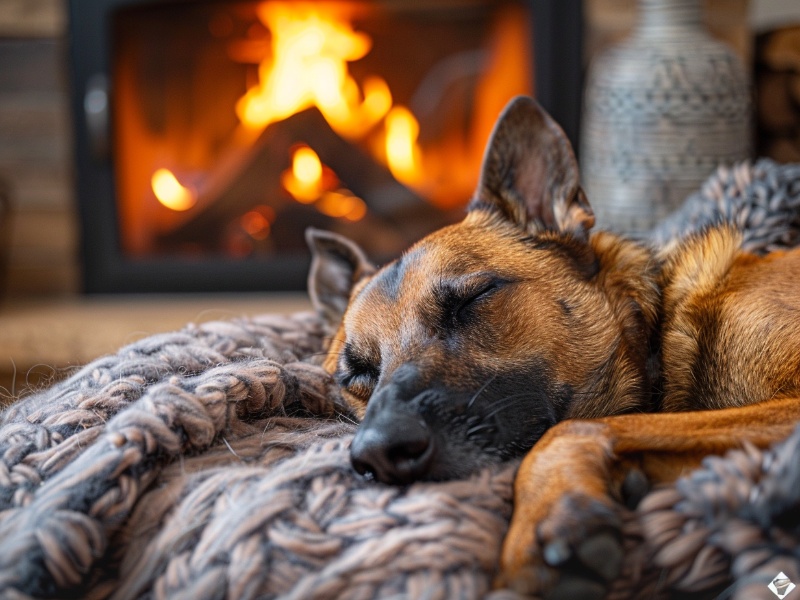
<point>402,152</point>
<point>307,66</point>
<point>343,205</point>
<point>169,191</point>
<point>307,183</point>
<point>311,47</point>
<point>304,179</point>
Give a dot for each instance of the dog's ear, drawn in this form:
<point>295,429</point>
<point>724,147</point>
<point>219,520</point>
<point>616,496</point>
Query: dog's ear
<point>337,264</point>
<point>530,173</point>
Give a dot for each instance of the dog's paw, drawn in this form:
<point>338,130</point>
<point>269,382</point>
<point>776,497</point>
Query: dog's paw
<point>576,552</point>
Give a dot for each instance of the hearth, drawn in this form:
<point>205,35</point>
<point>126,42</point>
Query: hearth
<point>211,133</point>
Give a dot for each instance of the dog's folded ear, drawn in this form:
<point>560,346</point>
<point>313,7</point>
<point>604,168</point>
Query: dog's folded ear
<point>337,264</point>
<point>530,173</point>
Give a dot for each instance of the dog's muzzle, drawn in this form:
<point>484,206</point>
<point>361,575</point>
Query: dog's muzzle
<point>394,444</point>
<point>393,448</point>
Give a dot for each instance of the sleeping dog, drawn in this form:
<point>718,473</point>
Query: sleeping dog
<point>520,331</point>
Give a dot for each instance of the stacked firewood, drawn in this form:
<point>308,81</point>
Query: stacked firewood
<point>778,94</point>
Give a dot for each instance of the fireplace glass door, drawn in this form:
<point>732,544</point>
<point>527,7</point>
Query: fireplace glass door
<point>239,124</point>
<point>211,134</point>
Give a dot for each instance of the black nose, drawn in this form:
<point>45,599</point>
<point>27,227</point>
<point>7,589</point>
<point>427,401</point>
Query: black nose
<point>394,448</point>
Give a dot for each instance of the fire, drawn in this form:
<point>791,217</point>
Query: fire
<point>258,222</point>
<point>169,191</point>
<point>311,47</point>
<point>402,152</point>
<point>307,183</point>
<point>342,204</point>
<point>304,179</point>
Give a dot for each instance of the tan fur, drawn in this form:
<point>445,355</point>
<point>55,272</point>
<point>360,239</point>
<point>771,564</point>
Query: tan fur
<point>612,326</point>
<point>529,319</point>
<point>730,342</point>
<point>725,311</point>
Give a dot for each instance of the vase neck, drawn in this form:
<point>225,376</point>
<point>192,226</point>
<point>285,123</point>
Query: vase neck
<point>660,15</point>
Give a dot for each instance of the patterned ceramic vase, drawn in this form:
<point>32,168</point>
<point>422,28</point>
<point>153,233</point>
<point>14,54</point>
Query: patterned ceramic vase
<point>662,110</point>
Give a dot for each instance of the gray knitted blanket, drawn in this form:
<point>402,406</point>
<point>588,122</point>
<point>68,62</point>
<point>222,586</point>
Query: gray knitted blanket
<point>761,198</point>
<point>212,463</point>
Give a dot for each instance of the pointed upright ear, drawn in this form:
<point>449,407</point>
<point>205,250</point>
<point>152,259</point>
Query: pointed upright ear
<point>337,264</point>
<point>530,173</point>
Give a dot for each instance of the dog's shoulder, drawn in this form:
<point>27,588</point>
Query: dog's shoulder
<point>693,267</point>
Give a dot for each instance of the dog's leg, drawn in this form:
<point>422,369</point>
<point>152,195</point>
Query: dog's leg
<point>564,537</point>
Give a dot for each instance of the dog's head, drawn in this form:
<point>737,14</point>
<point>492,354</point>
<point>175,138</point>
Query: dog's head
<point>482,335</point>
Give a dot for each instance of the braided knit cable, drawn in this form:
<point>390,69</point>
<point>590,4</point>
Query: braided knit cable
<point>762,199</point>
<point>186,466</point>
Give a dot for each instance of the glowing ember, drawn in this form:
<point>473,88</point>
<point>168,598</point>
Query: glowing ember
<point>169,191</point>
<point>311,46</point>
<point>256,225</point>
<point>304,179</point>
<point>402,152</point>
<point>307,167</point>
<point>342,204</point>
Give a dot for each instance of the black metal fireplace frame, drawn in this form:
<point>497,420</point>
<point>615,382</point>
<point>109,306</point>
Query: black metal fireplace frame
<point>558,36</point>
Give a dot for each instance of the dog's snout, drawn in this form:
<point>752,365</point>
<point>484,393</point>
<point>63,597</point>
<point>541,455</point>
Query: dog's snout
<point>398,450</point>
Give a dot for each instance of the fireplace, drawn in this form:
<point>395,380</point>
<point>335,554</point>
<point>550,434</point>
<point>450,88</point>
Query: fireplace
<point>211,133</point>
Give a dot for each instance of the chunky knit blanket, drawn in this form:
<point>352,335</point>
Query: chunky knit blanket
<point>212,463</point>
<point>761,198</point>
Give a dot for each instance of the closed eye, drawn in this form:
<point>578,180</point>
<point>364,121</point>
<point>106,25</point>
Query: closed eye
<point>357,374</point>
<point>359,385</point>
<point>463,310</point>
<point>459,299</point>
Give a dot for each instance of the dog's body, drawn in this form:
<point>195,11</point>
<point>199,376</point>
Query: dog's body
<point>518,327</point>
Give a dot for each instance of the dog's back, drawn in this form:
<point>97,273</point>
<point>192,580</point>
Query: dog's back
<point>724,311</point>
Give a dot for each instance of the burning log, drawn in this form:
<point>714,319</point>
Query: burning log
<point>235,187</point>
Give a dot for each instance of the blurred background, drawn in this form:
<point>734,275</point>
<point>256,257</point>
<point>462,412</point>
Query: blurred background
<point>160,159</point>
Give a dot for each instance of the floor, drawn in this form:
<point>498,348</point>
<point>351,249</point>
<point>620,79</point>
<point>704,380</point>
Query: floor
<point>40,338</point>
